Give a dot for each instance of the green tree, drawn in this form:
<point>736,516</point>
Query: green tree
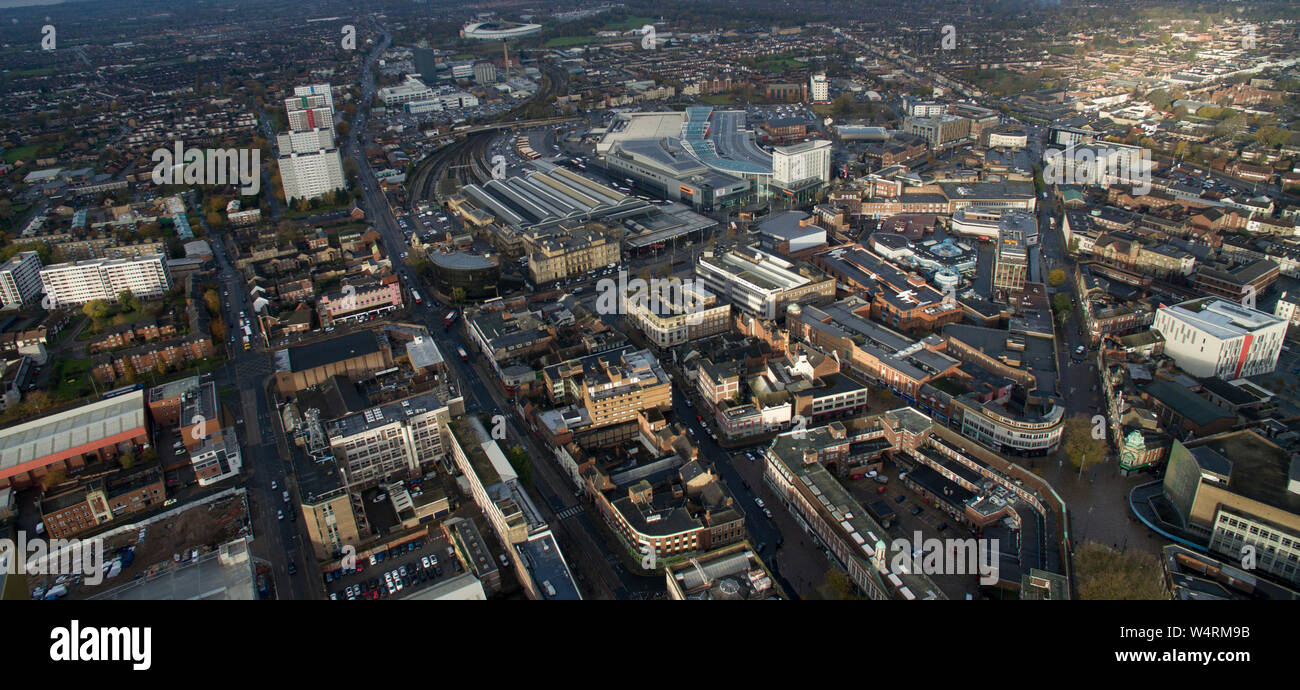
<point>521,462</point>
<point>458,294</point>
<point>1061,304</point>
<point>1056,277</point>
<point>128,301</point>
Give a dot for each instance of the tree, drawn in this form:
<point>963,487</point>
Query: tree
<point>458,294</point>
<point>1062,304</point>
<point>128,301</point>
<point>1104,573</point>
<point>1056,277</point>
<point>126,460</point>
<point>96,309</point>
<point>1079,442</point>
<point>521,462</point>
<point>837,584</point>
<point>213,300</point>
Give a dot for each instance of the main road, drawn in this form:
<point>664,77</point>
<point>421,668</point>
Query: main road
<point>580,535</point>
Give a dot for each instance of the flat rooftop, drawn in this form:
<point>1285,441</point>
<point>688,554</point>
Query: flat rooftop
<point>1259,469</point>
<point>1221,318</point>
<point>320,353</point>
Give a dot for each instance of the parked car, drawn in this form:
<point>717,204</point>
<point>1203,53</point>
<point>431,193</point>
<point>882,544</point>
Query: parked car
<point>917,510</point>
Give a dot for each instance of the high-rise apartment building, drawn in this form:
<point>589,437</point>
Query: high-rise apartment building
<point>310,165</point>
<point>82,281</point>
<point>20,280</point>
<point>308,117</point>
<point>322,90</point>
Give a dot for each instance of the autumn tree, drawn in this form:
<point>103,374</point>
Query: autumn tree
<point>1105,573</point>
<point>1082,441</point>
<point>213,300</point>
<point>1056,277</point>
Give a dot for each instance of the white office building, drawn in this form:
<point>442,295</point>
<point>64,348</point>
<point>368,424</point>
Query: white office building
<point>801,162</point>
<point>760,283</point>
<point>1214,337</point>
<point>20,280</point>
<point>79,282</point>
<point>819,88</point>
<point>410,90</point>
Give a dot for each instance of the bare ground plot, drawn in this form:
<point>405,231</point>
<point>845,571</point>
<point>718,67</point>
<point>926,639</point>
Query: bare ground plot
<point>204,527</point>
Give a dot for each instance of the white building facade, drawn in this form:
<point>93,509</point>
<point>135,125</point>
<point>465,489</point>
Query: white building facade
<point>20,280</point>
<point>1215,337</point>
<point>82,281</point>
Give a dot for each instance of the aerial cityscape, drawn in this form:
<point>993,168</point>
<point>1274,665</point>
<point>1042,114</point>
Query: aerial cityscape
<point>683,300</point>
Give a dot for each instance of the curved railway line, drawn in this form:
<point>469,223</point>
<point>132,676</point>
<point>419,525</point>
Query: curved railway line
<point>465,159</point>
